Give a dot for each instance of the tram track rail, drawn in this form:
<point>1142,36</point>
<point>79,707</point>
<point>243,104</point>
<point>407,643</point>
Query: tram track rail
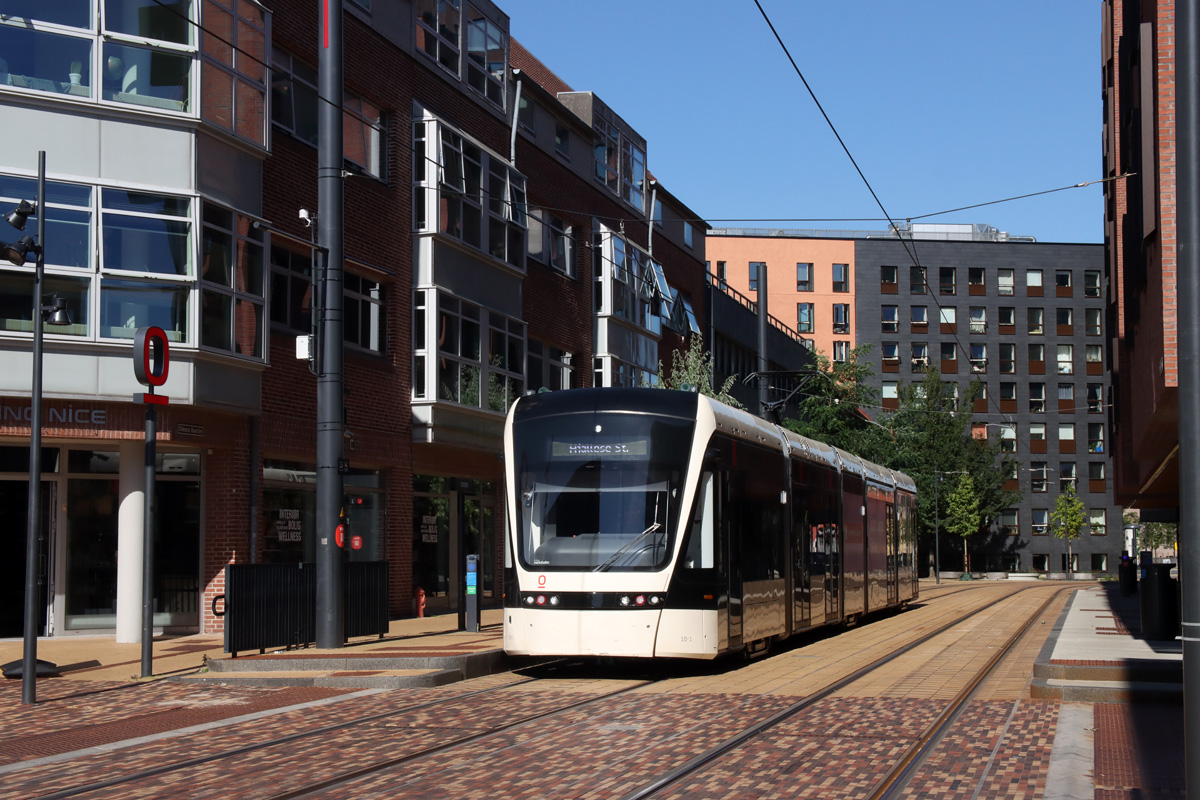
<point>894,781</point>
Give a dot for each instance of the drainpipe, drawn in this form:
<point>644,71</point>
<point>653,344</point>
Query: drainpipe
<point>512,141</point>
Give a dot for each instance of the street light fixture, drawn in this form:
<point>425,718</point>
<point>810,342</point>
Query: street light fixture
<point>54,314</point>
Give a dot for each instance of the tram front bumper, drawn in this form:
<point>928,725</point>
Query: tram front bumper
<point>569,632</point>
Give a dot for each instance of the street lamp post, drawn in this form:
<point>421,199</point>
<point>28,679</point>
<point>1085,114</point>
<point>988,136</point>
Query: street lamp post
<point>55,314</point>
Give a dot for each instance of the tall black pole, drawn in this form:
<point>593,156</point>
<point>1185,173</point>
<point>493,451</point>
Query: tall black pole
<point>763,328</point>
<point>148,546</point>
<point>34,516</point>
<point>937,554</point>
<point>1187,140</point>
<point>330,381</point>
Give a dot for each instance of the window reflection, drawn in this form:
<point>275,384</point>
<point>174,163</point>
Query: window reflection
<point>45,62</point>
<point>126,306</point>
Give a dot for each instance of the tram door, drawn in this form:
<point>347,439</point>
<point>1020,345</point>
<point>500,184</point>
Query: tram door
<point>831,539</point>
<point>893,559</point>
<point>732,535</point>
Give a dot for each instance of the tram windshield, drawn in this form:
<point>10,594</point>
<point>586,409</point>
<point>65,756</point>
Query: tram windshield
<point>599,492</point>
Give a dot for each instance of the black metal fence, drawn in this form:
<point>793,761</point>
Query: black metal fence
<point>274,605</point>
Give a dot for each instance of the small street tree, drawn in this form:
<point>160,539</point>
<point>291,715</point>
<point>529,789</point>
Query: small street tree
<point>1067,518</point>
<point>692,368</point>
<point>962,515</point>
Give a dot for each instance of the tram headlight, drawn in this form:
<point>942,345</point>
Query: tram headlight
<point>553,599</point>
<point>528,599</point>
<point>655,599</point>
<point>625,600</point>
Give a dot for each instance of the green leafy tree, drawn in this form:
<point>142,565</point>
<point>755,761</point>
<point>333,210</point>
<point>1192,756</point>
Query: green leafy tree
<point>1067,518</point>
<point>692,368</point>
<point>1151,535</point>
<point>833,395</point>
<point>962,514</point>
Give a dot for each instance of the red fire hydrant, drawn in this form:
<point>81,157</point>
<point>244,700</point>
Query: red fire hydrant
<point>419,596</point>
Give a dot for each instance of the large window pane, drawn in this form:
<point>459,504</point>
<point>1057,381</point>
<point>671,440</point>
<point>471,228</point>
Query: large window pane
<point>165,20</point>
<point>76,13</point>
<point>126,306</point>
<point>46,62</point>
<point>16,302</point>
<point>147,77</point>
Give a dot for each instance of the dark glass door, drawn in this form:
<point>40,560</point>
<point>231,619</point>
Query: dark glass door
<point>14,499</point>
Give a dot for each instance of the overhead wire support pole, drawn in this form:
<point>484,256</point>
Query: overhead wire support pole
<point>330,625</point>
<point>1187,143</point>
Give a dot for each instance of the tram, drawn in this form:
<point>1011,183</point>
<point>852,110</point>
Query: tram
<point>650,523</point>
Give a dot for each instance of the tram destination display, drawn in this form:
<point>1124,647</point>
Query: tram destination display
<point>601,447</point>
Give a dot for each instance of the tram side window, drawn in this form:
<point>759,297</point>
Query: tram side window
<point>701,552</point>
<point>757,515</point>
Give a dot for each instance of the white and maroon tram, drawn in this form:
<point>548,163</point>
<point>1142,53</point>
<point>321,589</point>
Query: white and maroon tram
<point>652,523</point>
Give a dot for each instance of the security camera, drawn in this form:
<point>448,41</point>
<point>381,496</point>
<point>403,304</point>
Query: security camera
<point>306,217</point>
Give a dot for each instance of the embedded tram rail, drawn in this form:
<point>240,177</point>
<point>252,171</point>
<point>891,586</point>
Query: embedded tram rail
<point>883,709</point>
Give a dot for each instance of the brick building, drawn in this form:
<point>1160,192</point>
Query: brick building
<point>503,233</point>
<point>1025,318</point>
<point>1138,59</point>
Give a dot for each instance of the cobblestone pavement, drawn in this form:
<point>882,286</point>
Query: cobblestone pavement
<point>83,733</point>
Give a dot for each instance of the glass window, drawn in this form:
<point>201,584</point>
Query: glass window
<point>548,366</point>
<point>1091,283</point>
<point>487,56</point>
<point>1008,438</point>
<point>1062,278</point>
<point>1037,398</point>
<point>1095,437</point>
<point>1037,431</point>
<point>45,61</point>
<point>362,134</point>
<point>1095,398</point>
<point>551,241</point>
<point>754,268</point>
<point>1097,522</point>
<point>975,276</point>
<point>126,305</point>
<point>1066,356</point>
<point>888,276</point>
<point>291,289</point>
<point>363,306</point>
<point>916,280</point>
<point>607,151</point>
<point>888,319</point>
<point>978,357</point>
<point>1008,358</point>
<point>1008,522</point>
<point>1066,432</point>
<point>232,296</point>
<point>1066,391</point>
<point>840,350</point>
<point>841,317</point>
<point>562,142</point>
<point>1037,353</point>
<point>804,317</point>
<point>946,280</point>
<point>1094,353</point>
<point>978,319</point>
<point>1066,476</point>
<point>1064,316</point>
<point>1033,278</point>
<point>1096,470</point>
<point>918,315</point>
<point>1004,282</point>
<point>949,351</point>
<point>841,277</point>
<point>233,46</point>
<point>891,390</point>
<point>1037,477</point>
<point>1035,318</point>
<point>920,356</point>
<point>804,278</point>
<point>890,351</point>
<point>1006,315</point>
<point>1008,391</point>
<point>1091,321</point>
<point>1041,523</point>
<point>437,31</point>
<point>633,173</point>
<point>948,315</point>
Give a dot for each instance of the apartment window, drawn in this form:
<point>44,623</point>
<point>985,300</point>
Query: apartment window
<point>233,73</point>
<point>1096,470</point>
<point>920,356</point>
<point>975,278</point>
<point>1094,353</point>
<point>633,174</point>
<point>890,352</point>
<point>891,391</point>
<point>978,358</point>
<point>946,280</point>
<point>978,319</point>
<point>888,322</point>
<point>1037,398</point>
<point>919,318</point>
<point>804,317</point>
<point>1095,398</point>
<point>232,287</point>
<point>841,317</point>
<point>551,241</point>
<point>949,352</point>
<point>1066,476</point>
<point>480,354</point>
<point>1091,321</point>
<point>1097,522</point>
<point>1037,431</point>
<point>1004,282</point>
<point>916,280</point>
<point>888,279</point>
<point>1006,316</point>
<point>1008,522</point>
<point>364,312</point>
<point>1037,353</point>
<point>948,316</point>
<point>562,140</point>
<point>841,350</point>
<point>1040,518</point>
<point>1037,477</point>
<point>1008,438</point>
<point>1062,278</point>
<point>722,274</point>
<point>755,266</point>
<point>607,151</point>
<point>1034,317</point>
<point>1066,357</point>
<point>841,277</point>
<point>1033,281</point>
<point>950,389</point>
<point>1008,391</point>
<point>294,109</point>
<point>1091,283</point>
<point>1008,358</point>
<point>487,57</point>
<point>547,366</point>
<point>804,277</point>
<point>437,31</point>
<point>1066,435</point>
<point>1064,318</point>
<point>1095,437</point>
<point>291,289</point>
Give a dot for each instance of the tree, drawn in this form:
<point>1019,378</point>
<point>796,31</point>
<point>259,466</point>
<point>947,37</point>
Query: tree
<point>1067,518</point>
<point>962,515</point>
<point>692,369</point>
<point>833,396</point>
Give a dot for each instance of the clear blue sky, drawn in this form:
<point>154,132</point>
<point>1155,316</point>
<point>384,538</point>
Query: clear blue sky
<point>943,104</point>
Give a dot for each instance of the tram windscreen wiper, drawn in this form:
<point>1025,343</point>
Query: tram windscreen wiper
<point>635,541</point>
